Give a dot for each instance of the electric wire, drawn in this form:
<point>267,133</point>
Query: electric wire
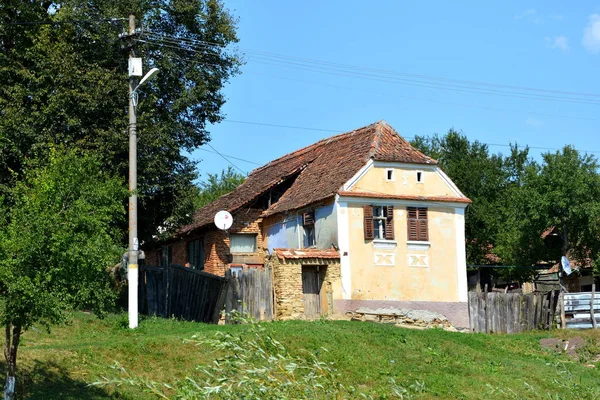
<point>386,79</point>
<point>230,156</point>
<point>367,69</point>
<point>226,159</point>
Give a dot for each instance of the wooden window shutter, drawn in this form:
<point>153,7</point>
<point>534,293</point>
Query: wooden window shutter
<point>389,222</point>
<point>308,218</point>
<point>368,222</point>
<point>411,222</point>
<point>423,234</point>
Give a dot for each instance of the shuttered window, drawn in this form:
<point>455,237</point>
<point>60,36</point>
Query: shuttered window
<point>417,224</point>
<point>378,222</point>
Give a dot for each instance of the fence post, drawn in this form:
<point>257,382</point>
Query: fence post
<point>592,316</point>
<point>563,322</point>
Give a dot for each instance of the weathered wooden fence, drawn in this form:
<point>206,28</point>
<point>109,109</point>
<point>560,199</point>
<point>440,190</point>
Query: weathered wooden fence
<point>511,312</point>
<point>181,292</point>
<point>250,291</point>
<point>581,310</point>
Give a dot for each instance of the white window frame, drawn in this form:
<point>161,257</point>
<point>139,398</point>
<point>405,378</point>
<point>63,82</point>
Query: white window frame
<point>387,175</point>
<point>379,223</point>
<point>421,174</point>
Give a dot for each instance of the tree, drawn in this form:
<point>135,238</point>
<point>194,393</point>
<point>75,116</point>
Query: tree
<point>58,240</point>
<point>560,194</point>
<point>483,177</point>
<point>63,80</point>
<point>217,185</point>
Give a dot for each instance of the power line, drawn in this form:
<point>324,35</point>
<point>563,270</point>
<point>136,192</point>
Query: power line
<point>396,95</point>
<point>405,137</point>
<point>387,79</point>
<point>226,159</point>
<point>425,99</point>
<point>229,156</point>
<point>285,58</point>
<point>76,21</point>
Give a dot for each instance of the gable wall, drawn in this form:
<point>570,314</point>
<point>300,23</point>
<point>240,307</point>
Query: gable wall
<point>404,181</point>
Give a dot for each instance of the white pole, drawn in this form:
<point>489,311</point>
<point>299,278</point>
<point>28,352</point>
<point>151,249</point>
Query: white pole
<point>132,270</point>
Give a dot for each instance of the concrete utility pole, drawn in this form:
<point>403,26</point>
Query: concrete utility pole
<point>132,269</point>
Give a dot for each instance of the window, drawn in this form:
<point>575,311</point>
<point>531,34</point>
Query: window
<point>417,224</point>
<point>196,254</point>
<point>242,243</point>
<point>235,271</point>
<point>419,176</point>
<point>378,222</point>
<point>308,227</point>
<point>389,174</point>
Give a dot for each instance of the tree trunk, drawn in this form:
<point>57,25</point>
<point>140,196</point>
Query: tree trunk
<point>13,336</point>
<point>565,241</point>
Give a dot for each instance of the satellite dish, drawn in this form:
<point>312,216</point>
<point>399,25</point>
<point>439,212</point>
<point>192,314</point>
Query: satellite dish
<point>223,220</point>
<point>566,265</point>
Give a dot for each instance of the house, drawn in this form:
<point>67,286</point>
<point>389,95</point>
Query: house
<point>361,219</point>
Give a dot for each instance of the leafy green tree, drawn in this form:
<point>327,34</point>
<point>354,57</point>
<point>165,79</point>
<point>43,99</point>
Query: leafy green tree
<point>217,185</point>
<point>55,245</point>
<point>481,176</point>
<point>560,194</point>
<point>63,80</point>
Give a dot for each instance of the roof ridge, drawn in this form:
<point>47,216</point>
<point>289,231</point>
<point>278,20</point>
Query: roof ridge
<point>376,139</point>
<point>305,149</point>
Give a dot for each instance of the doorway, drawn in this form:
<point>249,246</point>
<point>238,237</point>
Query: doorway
<point>312,285</point>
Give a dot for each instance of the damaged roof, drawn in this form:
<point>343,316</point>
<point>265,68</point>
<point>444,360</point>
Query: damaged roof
<point>320,170</point>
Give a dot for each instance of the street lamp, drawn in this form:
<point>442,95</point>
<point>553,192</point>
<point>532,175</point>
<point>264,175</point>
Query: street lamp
<point>132,269</point>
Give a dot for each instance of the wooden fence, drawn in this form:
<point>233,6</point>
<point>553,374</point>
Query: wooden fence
<point>180,292</point>
<point>581,310</point>
<point>511,312</point>
<point>250,291</point>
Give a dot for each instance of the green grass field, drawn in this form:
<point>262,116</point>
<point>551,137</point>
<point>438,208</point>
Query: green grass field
<point>428,364</point>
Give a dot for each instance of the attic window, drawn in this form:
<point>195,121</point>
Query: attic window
<point>308,225</point>
<point>419,176</point>
<point>389,174</point>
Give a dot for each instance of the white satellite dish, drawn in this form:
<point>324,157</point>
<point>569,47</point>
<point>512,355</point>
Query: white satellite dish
<point>566,265</point>
<point>223,220</point>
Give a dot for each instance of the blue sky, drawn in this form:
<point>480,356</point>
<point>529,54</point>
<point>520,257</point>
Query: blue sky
<point>405,62</point>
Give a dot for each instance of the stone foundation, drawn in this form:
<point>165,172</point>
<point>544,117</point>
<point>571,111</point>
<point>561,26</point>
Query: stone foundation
<point>456,312</point>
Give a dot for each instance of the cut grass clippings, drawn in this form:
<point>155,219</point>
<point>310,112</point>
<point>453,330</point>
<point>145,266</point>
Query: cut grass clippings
<point>368,356</point>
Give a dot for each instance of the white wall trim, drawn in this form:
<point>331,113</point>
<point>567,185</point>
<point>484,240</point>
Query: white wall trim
<point>449,182</point>
<point>461,254</point>
<point>361,172</point>
<point>397,202</point>
<point>389,164</point>
<point>343,231</point>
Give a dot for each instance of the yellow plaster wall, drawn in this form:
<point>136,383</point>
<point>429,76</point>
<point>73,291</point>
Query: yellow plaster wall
<point>404,182</point>
<point>436,282</point>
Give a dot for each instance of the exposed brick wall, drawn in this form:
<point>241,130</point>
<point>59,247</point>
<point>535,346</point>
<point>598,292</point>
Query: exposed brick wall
<point>287,284</point>
<point>217,256</point>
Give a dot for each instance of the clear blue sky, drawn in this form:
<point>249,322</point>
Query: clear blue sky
<point>547,45</point>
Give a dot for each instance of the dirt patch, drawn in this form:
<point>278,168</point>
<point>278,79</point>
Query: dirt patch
<point>568,346</point>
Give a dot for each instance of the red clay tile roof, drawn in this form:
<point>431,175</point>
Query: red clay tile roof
<point>372,195</point>
<point>306,253</point>
<point>322,169</point>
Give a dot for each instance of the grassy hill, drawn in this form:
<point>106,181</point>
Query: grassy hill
<point>370,357</point>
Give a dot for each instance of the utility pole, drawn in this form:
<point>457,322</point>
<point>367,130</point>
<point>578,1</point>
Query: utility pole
<point>132,269</point>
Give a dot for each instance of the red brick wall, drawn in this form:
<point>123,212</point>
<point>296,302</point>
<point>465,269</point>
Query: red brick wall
<point>216,243</point>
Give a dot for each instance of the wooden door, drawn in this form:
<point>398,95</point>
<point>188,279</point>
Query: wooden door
<point>311,290</point>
